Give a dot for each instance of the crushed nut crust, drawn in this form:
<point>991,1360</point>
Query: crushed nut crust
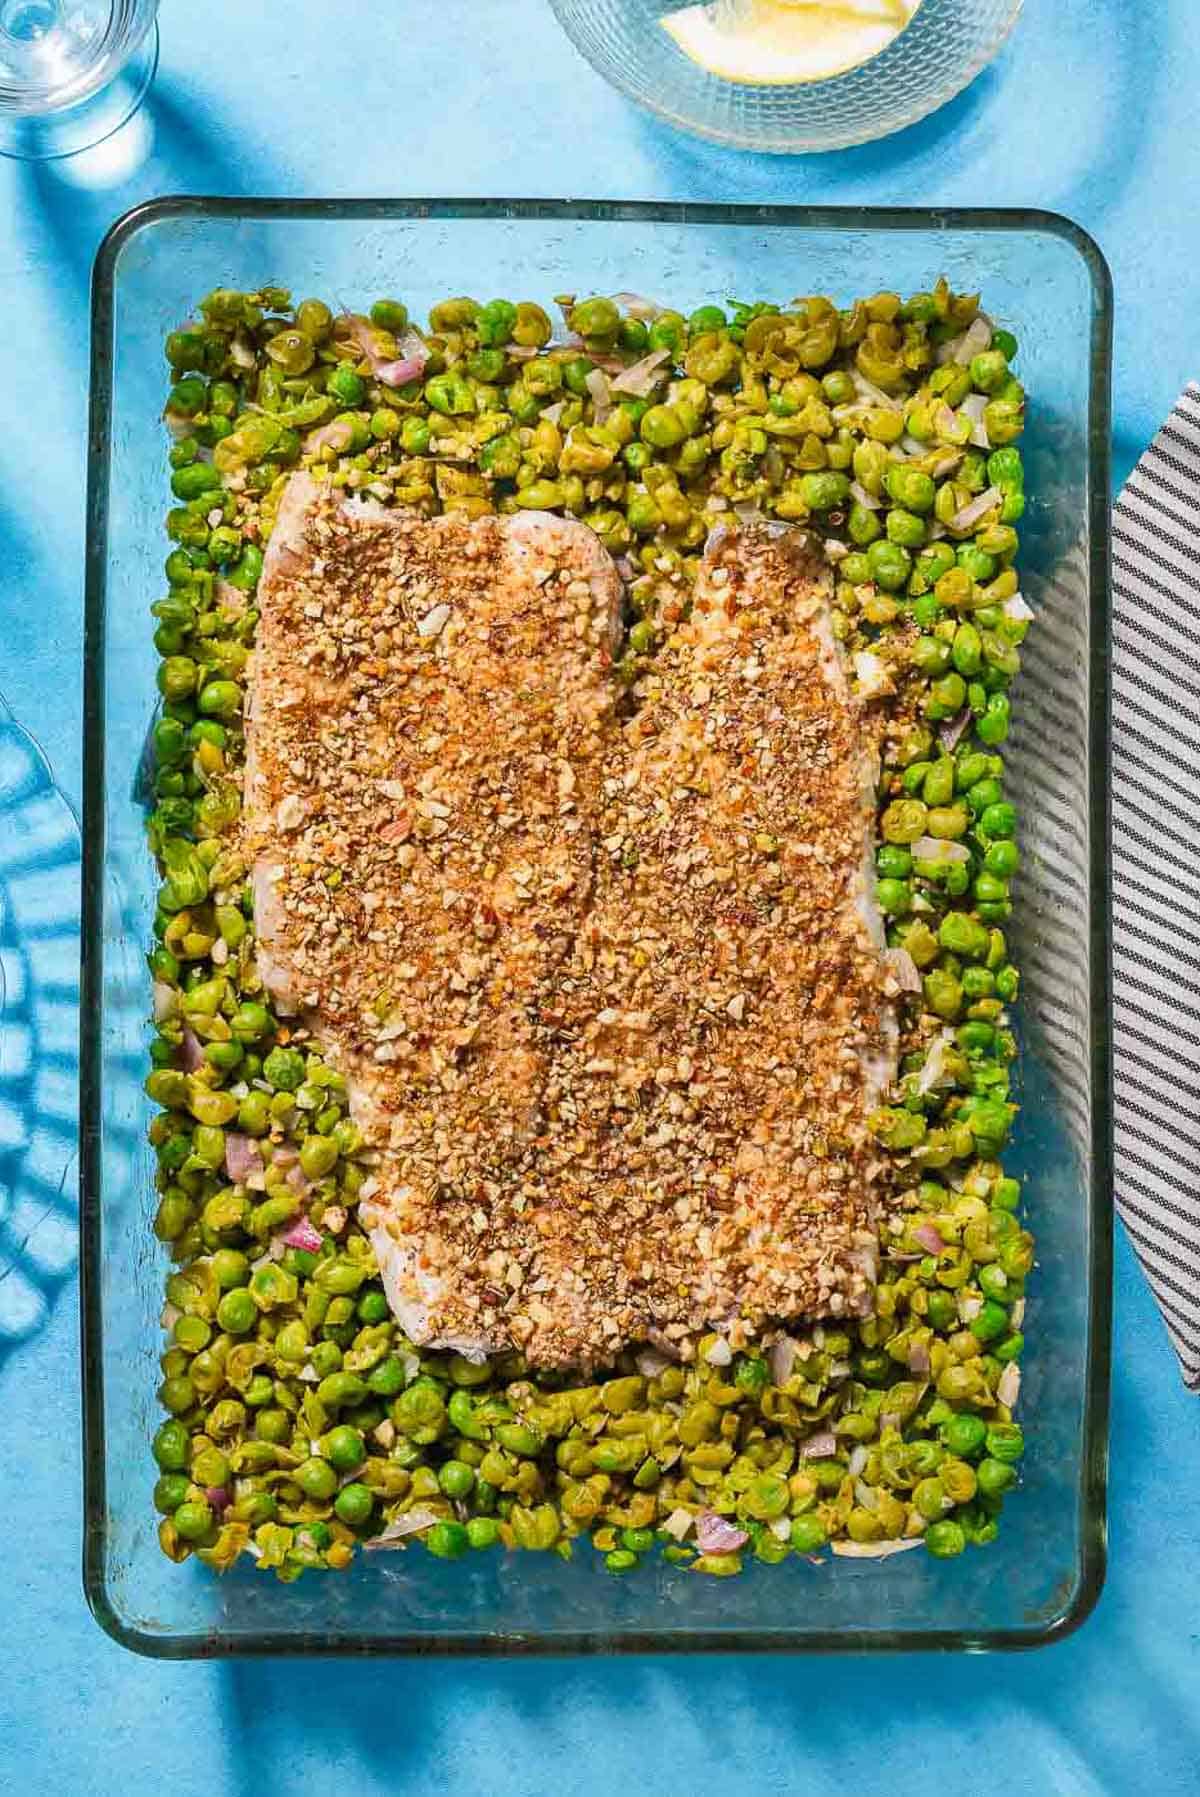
<point>604,980</point>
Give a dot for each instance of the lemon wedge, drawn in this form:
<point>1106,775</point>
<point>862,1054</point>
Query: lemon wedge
<point>782,42</point>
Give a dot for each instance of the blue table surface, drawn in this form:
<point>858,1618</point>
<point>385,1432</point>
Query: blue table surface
<point>1090,111</point>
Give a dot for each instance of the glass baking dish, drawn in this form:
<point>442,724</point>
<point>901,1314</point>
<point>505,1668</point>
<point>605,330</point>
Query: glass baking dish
<point>1046,279</point>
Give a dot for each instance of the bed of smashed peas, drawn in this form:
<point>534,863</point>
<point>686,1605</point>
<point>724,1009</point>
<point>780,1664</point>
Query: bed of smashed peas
<point>300,1422</point>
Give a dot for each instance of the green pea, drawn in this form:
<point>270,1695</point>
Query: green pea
<point>483,1531</point>
<point>193,1520</point>
<point>905,528</point>
<point>894,897</point>
<point>318,1154</point>
<point>456,1478</point>
<point>808,1534</point>
<point>862,527</point>
<point>283,1068</point>
<point>894,861</point>
<point>195,479</point>
<point>447,1540</point>
<point>450,394</point>
<point>964,1434</point>
<point>346,385</point>
<point>995,1477</point>
<point>316,1479</point>
<point>353,1504</point>
<point>170,1490</point>
<point>823,491</point>
<point>344,1448</point>
<point>942,993</point>
<point>904,821</point>
<point>890,565</point>
<point>663,427</point>
<point>245,572</point>
<point>595,318</point>
<point>945,1539</point>
<point>909,487</point>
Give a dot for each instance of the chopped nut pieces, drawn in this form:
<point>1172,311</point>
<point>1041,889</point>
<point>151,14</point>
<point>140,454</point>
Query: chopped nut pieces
<point>605,982</point>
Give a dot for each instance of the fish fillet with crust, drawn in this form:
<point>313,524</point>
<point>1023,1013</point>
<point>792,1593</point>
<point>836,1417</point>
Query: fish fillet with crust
<point>607,989</point>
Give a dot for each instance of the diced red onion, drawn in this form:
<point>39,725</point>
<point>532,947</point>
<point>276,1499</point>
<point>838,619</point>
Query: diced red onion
<point>973,407</point>
<point>945,464</point>
<point>1017,1314</point>
<point>1018,609</point>
<point>951,733</point>
<point>719,1352</point>
<point>285,1155</point>
<point>650,1363</point>
<point>976,337</point>
<point>838,1370</point>
<point>821,1446</point>
<point>1008,1386</point>
<point>945,422</point>
<point>918,1358</point>
<point>930,1240</point>
<point>835,550</point>
<point>553,413</point>
<point>939,849</point>
<point>191,1055</point>
<point>904,968</point>
<point>411,1523</point>
<point>679,1524</point>
<point>969,515</point>
<point>934,1072</point>
<point>166,1001</point>
<point>169,1315</point>
<point>913,447</point>
<point>641,377</point>
<point>716,1535</point>
<point>637,305</point>
<point>275,1250</point>
<point>336,435</point>
<point>781,1358</point>
<point>392,371</point>
<point>861,497</point>
<point>858,1459</point>
<point>303,1234</point>
<point>747,512</point>
<point>241,351</point>
<point>871,1550</point>
<point>298,1179</point>
<point>403,370</point>
<point>874,395</point>
<point>867,1498</point>
<point>969,1308</point>
<point>781,1528</point>
<point>889,1419</point>
<point>217,1497</point>
<point>596,382</point>
<point>243,1156</point>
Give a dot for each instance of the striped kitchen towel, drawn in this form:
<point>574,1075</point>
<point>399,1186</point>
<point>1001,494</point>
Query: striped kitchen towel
<point>1156,868</point>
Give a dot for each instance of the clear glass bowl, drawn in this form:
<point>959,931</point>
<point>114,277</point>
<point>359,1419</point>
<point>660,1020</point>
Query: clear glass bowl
<point>944,47</point>
<point>1046,279</point>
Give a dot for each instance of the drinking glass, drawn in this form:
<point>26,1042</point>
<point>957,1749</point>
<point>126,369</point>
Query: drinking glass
<point>72,71</point>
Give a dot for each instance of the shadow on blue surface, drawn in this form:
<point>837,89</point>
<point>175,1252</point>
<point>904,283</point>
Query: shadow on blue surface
<point>696,167</point>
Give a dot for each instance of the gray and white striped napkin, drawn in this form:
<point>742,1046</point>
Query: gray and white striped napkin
<point>1156,868</point>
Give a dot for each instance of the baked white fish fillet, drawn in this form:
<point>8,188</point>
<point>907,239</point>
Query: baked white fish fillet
<point>606,985</point>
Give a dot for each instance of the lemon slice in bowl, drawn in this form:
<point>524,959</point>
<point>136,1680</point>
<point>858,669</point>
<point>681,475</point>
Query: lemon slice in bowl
<point>779,43</point>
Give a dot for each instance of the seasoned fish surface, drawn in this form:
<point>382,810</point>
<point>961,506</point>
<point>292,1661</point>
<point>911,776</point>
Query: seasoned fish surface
<point>604,987</point>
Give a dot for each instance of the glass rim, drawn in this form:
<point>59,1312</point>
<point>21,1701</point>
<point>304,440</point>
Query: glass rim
<point>1096,1400</point>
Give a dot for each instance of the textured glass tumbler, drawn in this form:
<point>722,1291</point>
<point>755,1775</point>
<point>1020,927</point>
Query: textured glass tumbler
<point>944,47</point>
<point>72,72</point>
